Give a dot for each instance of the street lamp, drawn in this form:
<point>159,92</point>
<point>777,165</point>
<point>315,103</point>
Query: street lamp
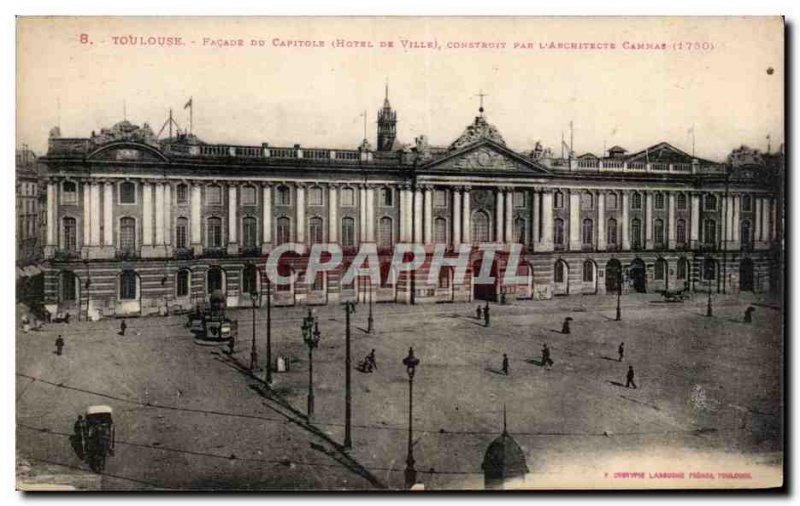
<point>268,378</point>
<point>310,329</point>
<point>620,279</point>
<point>370,328</point>
<point>411,363</point>
<point>253,352</point>
<point>709,311</point>
<point>349,308</point>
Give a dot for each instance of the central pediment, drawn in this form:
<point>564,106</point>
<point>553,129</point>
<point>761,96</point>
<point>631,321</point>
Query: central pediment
<point>485,156</point>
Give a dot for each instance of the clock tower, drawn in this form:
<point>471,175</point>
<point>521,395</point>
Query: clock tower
<point>387,125</point>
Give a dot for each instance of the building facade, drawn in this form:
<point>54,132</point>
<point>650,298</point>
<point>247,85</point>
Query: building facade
<point>137,225</point>
<point>28,245</point>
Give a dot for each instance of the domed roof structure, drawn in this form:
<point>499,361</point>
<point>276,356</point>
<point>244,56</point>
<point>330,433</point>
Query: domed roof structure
<point>504,460</point>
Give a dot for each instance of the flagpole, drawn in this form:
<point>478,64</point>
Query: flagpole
<point>191,115</point>
<point>692,141</point>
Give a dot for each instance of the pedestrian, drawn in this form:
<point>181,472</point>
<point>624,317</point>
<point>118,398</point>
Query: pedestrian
<point>231,345</point>
<point>486,315</point>
<point>66,317</point>
<point>505,364</point>
<point>748,314</point>
<point>478,313</point>
<point>629,378</point>
<point>621,351</point>
<point>59,345</point>
<point>371,363</point>
<point>565,326</point>
<point>122,327</point>
<point>546,360</point>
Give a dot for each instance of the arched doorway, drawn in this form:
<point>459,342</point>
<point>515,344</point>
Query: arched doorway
<point>215,280</point>
<point>746,275</point>
<point>613,271</point>
<point>484,291</point>
<point>638,274</point>
<point>709,272</point>
<point>589,276</point>
<point>560,278</point>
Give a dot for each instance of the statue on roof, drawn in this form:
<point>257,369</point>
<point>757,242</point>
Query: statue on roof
<point>480,129</point>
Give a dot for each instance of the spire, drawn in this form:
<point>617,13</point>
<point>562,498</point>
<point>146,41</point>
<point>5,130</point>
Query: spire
<point>387,123</point>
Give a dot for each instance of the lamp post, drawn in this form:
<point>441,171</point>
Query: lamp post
<point>709,311</point>
<point>370,328</point>
<point>619,293</point>
<point>268,378</point>
<point>253,352</point>
<point>349,307</point>
<point>411,363</point>
<point>310,329</point>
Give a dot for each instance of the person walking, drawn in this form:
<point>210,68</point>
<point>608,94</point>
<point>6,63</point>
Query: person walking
<point>565,326</point>
<point>621,351</point>
<point>231,345</point>
<point>629,378</point>
<point>505,364</point>
<point>478,314</point>
<point>122,327</point>
<point>546,360</point>
<point>486,315</point>
<point>748,314</point>
<point>59,345</point>
<point>371,363</point>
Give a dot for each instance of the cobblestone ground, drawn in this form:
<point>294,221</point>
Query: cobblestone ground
<point>189,416</point>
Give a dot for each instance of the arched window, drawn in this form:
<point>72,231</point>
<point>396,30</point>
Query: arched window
<point>588,231</point>
<point>127,285</point>
<point>480,227</point>
<point>519,230</point>
<point>181,233</point>
<point>611,201</point>
<point>386,196</point>
<point>636,233</point>
<point>70,231</point>
<point>558,231</point>
<point>444,277</point>
<point>636,201</point>
<point>249,280</point>
<point>588,271</point>
<point>385,232</point>
<point>182,194</point>
<point>214,232</point>
<point>659,201</point>
<point>283,196</point>
<point>182,283</point>
<point>440,230</point>
<point>315,230</point>
<point>69,286</point>
<point>683,269</point>
<point>348,197</point>
<point>747,203</point>
<point>660,269</point>
<point>658,231</point>
<point>680,231</point>
<point>681,201</point>
<point>127,234</point>
<point>214,195</point>
<point>611,234</point>
<point>587,200</point>
<point>746,234</point>
<point>558,200</point>
<point>710,203</point>
<point>348,231</point>
<point>283,230</point>
<point>250,232</point>
<point>248,195</point>
<point>315,196</point>
<point>559,272</point>
<point>127,192</point>
<point>710,232</point>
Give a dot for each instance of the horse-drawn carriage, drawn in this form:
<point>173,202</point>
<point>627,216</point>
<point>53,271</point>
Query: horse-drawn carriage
<point>98,437</point>
<point>675,295</point>
<point>210,321</point>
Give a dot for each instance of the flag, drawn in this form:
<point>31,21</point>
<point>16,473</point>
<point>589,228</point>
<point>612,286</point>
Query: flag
<point>188,104</point>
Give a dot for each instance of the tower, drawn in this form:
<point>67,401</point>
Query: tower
<point>387,124</point>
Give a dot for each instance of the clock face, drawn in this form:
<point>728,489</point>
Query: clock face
<point>484,159</point>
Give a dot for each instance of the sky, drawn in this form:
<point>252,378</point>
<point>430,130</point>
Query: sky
<point>728,86</point>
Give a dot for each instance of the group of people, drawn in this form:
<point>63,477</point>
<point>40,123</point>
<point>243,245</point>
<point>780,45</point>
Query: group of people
<point>483,312</point>
<point>369,364</point>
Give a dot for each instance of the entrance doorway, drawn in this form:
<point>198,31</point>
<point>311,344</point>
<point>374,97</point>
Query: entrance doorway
<point>484,291</point>
<point>613,271</point>
<point>638,274</point>
<point>746,275</point>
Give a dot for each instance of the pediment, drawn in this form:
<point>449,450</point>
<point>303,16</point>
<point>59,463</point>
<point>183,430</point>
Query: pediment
<point>127,152</point>
<point>485,156</point>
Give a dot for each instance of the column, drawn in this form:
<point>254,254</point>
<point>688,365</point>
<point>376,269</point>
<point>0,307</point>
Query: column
<point>333,215</point>
<point>671,221</point>
<point>159,214</point>
<point>362,214</point>
<point>266,216</point>
<point>601,221</point>
<point>371,214</point>
<point>626,238</point>
<point>428,215</point>
<point>196,222</point>
<point>301,214</point>
<point>87,214</point>
<point>147,215</point>
<point>94,213</point>
<point>167,214</point>
<point>547,221</point>
<point>694,236</point>
<point>648,220</point>
<point>405,214</point>
<point>574,221</point>
<point>735,234</point>
<point>417,216</point>
<point>773,208</point>
<point>499,210</point>
<point>232,215</point>
<point>765,226</point>
<point>108,215</point>
<point>535,213</point>
<point>456,237</point>
<point>757,219</point>
<point>509,198</point>
<point>52,194</point>
<point>466,217</point>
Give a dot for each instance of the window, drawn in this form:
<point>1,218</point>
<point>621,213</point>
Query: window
<point>588,271</point>
<point>519,230</point>
<point>558,200</point>
<point>681,231</point>
<point>558,274</point>
<point>127,193</point>
<point>439,198</point>
<point>69,286</point>
<point>214,195</point>
<point>480,227</point>
<point>681,201</point>
<point>283,196</point>
<point>386,271</point>
<point>747,203</point>
<point>636,233</point>
<point>248,196</point>
<point>558,231</point>
<point>70,234</point>
<point>182,194</point>
<point>286,271</point>
<point>611,234</point>
<point>69,192</point>
<point>588,231</point>
<point>587,200</point>
<point>745,233</point>
<point>182,283</point>
<point>181,233</point>
<point>315,230</point>
<point>636,201</point>
<point>710,232</point>
<point>519,199</point>
<point>315,196</point>
<point>348,197</point>
<point>440,230</point>
<point>127,234</point>
<point>214,233</point>
<point>658,231</point>
<point>709,269</point>
<point>386,197</point>
<point>611,201</point>
<point>249,284</point>
<point>283,232</point>
<point>385,232</point>
<point>127,285</point>
<point>250,232</point>
<point>683,268</point>
<point>659,269</point>
<point>444,277</point>
<point>319,282</point>
<point>659,201</point>
<point>710,203</point>
<point>214,280</point>
<point>348,231</point>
